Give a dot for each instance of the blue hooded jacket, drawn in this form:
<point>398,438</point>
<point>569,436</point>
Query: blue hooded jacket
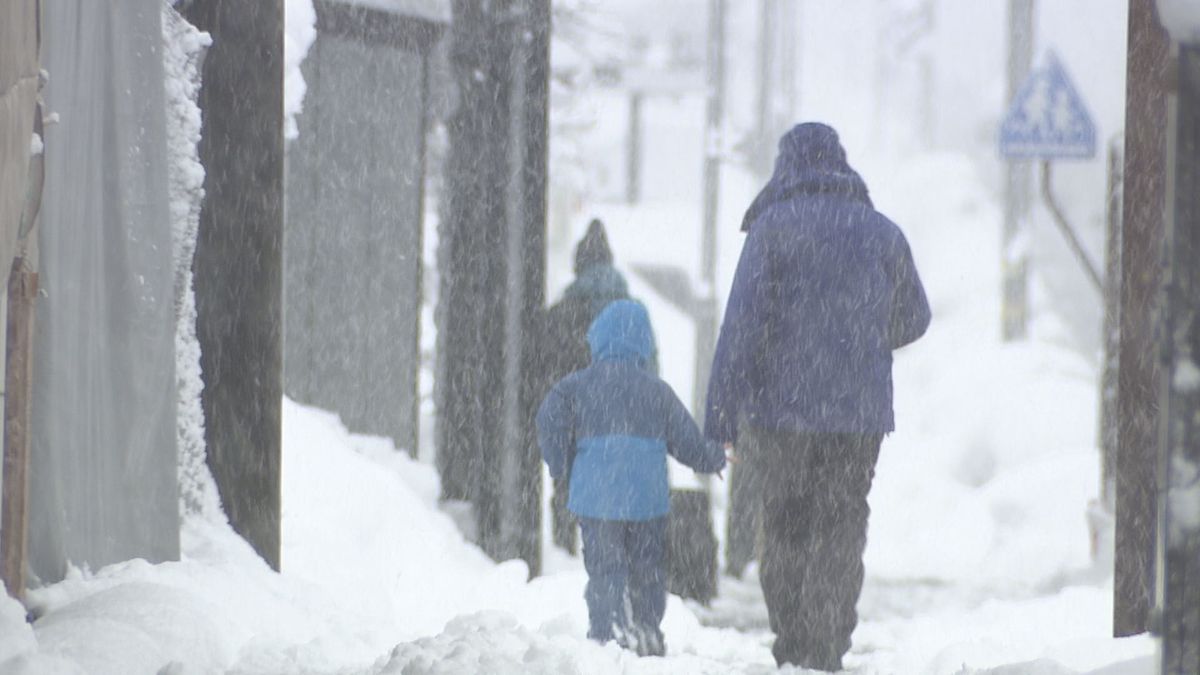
<point>824,291</point>
<point>612,425</point>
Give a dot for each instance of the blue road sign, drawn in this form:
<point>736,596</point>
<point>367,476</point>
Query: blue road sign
<point>1048,119</point>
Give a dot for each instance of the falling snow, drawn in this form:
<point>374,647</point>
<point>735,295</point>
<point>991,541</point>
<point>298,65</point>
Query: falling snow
<point>979,559</point>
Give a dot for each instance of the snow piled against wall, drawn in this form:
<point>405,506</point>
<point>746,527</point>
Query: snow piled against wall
<point>369,562</point>
<point>431,10</point>
<point>183,53</point>
<point>300,21</point>
<point>359,536</point>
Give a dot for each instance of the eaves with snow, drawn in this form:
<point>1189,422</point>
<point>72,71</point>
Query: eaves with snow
<point>1181,18</point>
<point>431,10</point>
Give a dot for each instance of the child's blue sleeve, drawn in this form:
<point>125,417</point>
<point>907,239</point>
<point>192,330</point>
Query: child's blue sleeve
<point>686,443</point>
<point>555,431</point>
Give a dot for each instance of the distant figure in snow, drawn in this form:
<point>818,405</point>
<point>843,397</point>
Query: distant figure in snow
<point>611,427</point>
<point>801,381</point>
<point>564,349</point>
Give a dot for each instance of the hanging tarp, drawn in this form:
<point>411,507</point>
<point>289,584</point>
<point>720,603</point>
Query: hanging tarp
<point>18,100</point>
<point>103,473</point>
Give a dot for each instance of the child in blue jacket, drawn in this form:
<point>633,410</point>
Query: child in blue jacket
<point>610,427</point>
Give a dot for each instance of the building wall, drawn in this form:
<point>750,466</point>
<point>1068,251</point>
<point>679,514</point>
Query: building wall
<point>353,240</point>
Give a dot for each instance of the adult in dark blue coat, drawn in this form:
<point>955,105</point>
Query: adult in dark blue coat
<point>801,382</point>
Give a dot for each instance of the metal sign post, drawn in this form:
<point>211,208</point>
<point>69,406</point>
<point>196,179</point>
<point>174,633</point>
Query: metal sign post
<point>1014,261</point>
<point>706,324</point>
<point>1046,121</point>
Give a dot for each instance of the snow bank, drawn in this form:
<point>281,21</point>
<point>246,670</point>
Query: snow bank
<point>361,518</point>
<point>300,30</point>
<point>994,461</point>
<point>495,643</point>
<point>16,636</point>
<point>368,562</point>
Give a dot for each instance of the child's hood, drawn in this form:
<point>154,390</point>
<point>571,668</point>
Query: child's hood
<point>622,331</point>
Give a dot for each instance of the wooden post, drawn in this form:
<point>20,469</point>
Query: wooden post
<point>714,115</point>
<point>1014,313</point>
<point>1141,278</point>
<point>532,118</point>
<point>239,262</point>
<point>22,293</point>
<point>633,152</point>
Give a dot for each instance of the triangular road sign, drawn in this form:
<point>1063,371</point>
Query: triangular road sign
<point>1048,119</point>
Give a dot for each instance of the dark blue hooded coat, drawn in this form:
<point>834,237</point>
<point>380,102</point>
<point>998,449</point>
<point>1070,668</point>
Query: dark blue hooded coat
<point>612,425</point>
<point>824,291</point>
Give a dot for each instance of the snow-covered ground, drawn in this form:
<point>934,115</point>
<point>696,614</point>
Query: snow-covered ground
<point>978,556</point>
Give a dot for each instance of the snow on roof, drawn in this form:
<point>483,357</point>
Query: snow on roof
<point>433,10</point>
<point>1181,18</point>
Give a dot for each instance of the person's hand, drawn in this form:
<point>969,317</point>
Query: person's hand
<point>729,457</point>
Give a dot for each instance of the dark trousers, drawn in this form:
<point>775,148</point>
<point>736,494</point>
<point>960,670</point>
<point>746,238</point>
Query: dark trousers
<point>625,561</point>
<point>815,514</point>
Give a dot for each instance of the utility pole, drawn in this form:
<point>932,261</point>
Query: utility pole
<point>1138,380</point>
<point>777,73</point>
<point>789,60</point>
<point>765,119</point>
<point>492,264</point>
<point>1014,254</point>
<point>926,104</point>
<point>633,152</point>
<point>520,506</point>
<point>706,325</point>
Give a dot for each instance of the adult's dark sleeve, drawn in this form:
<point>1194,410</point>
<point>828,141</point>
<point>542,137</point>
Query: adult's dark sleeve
<point>740,340</point>
<point>910,308</point>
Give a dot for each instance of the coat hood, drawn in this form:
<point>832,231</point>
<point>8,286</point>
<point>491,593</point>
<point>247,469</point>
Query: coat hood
<point>593,248</point>
<point>622,331</point>
<point>811,160</point>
